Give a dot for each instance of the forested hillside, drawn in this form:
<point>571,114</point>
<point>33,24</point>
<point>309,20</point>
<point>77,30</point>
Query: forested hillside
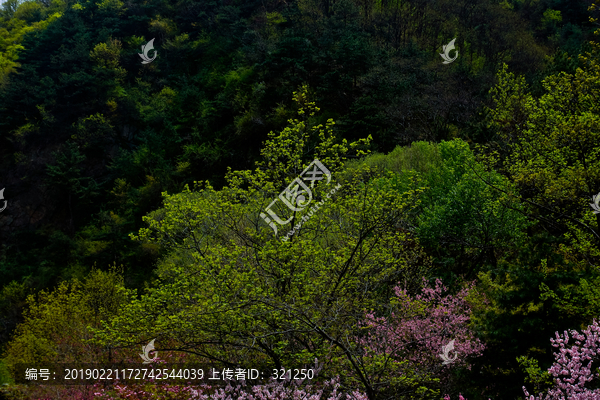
<point>456,204</point>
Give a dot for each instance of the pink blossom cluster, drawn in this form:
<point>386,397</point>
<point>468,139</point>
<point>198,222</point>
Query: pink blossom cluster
<point>572,368</point>
<point>274,390</point>
<point>460,397</point>
<point>423,326</point>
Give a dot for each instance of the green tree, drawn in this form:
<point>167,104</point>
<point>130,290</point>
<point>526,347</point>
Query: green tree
<point>66,174</point>
<point>547,146</point>
<point>465,223</point>
<point>229,291</point>
<point>55,326</point>
<point>552,152</point>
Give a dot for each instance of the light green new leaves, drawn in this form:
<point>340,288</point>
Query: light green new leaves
<point>229,290</point>
<point>553,147</point>
<point>287,153</point>
<point>12,34</point>
<point>554,139</point>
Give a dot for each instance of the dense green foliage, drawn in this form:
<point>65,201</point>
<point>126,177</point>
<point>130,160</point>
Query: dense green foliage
<point>481,170</point>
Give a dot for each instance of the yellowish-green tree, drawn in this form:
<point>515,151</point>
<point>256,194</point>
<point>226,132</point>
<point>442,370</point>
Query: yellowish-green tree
<point>553,151</point>
<point>230,290</point>
<point>550,148</point>
<point>12,33</point>
<point>56,326</point>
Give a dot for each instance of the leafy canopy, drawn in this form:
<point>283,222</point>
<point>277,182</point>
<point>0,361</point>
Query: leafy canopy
<point>228,290</point>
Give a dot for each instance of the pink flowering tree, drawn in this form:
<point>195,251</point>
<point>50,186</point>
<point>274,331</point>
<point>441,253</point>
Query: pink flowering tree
<point>420,340</point>
<point>572,370</point>
<point>397,352</point>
